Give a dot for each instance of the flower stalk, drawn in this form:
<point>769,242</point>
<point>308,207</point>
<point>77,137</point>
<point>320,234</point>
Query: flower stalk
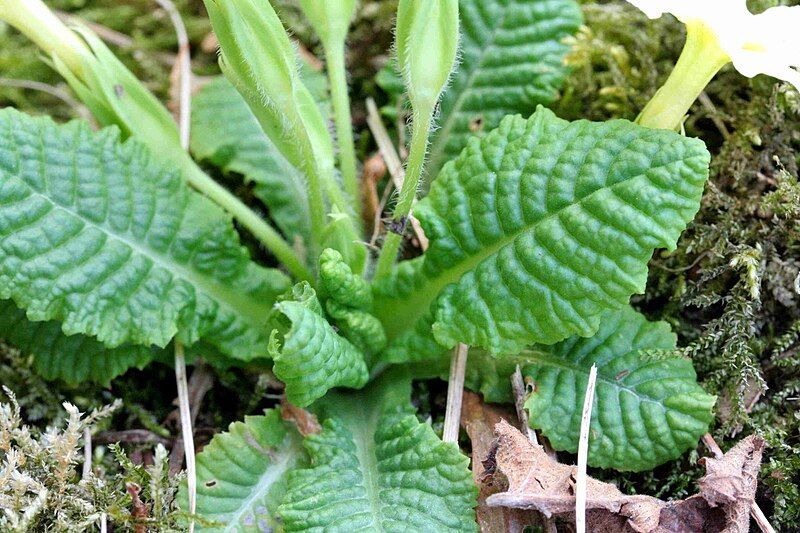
<point>701,59</point>
<point>331,21</point>
<point>719,32</point>
<point>427,43</point>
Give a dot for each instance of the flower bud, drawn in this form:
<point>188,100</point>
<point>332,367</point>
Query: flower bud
<point>110,91</point>
<point>329,18</point>
<point>427,43</point>
<point>34,19</point>
<point>260,60</point>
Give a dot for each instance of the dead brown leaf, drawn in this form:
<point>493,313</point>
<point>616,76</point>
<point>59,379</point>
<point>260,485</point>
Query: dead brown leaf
<point>306,422</point>
<point>535,481</point>
<point>479,420</point>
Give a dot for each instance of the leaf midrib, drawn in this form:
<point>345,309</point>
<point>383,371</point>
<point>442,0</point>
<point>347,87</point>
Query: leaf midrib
<point>547,359</point>
<point>364,440</point>
<point>237,301</point>
<point>285,458</point>
<point>410,310</point>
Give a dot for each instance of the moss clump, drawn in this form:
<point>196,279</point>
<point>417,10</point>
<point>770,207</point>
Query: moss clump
<point>731,289</point>
<point>41,489</point>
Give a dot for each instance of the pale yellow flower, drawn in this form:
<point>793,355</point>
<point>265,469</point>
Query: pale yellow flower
<point>767,43</point>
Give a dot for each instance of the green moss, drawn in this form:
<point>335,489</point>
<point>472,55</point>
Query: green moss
<point>730,289</point>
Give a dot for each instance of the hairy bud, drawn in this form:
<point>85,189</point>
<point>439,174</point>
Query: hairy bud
<point>427,43</point>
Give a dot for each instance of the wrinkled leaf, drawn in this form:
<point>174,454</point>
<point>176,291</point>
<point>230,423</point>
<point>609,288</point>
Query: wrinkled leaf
<point>540,227</point>
<point>377,468</point>
<point>74,359</point>
<point>511,60</point>
<point>311,357</point>
<point>241,474</point>
<point>349,303</point>
<point>647,410</point>
<point>96,235</point>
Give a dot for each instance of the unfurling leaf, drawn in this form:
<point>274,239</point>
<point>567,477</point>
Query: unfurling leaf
<point>349,303</point>
<point>648,408</point>
<point>540,227</point>
<point>535,481</point>
<point>311,357</point>
<point>377,468</point>
<point>241,474</point>
<point>96,235</point>
<point>511,60</point>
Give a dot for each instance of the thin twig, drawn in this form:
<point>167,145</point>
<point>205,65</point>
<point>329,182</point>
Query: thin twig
<point>87,453</point>
<point>583,453</point>
<point>392,160</point>
<point>455,393</point>
<point>755,511</point>
<point>52,90</point>
<point>103,523</point>
<point>199,384</point>
<point>518,387</point>
<point>186,428</point>
<point>183,60</point>
<point>713,114</point>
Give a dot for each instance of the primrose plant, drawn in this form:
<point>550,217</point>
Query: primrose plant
<point>115,243</point>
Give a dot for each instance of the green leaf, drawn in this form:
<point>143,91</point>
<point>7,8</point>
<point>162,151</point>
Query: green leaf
<point>349,303</point>
<point>227,134</point>
<point>74,359</point>
<point>511,61</point>
<point>648,408</point>
<point>540,227</point>
<point>96,235</point>
<point>338,282</point>
<point>312,357</point>
<point>241,474</point>
<point>377,468</point>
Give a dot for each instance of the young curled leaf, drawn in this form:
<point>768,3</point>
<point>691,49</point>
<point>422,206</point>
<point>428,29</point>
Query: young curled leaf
<point>361,328</point>
<point>338,282</point>
<point>349,303</point>
<point>310,357</point>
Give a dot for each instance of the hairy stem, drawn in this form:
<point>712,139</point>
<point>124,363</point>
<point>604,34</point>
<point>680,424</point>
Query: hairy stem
<point>337,74</point>
<point>416,162</point>
<point>265,233</point>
